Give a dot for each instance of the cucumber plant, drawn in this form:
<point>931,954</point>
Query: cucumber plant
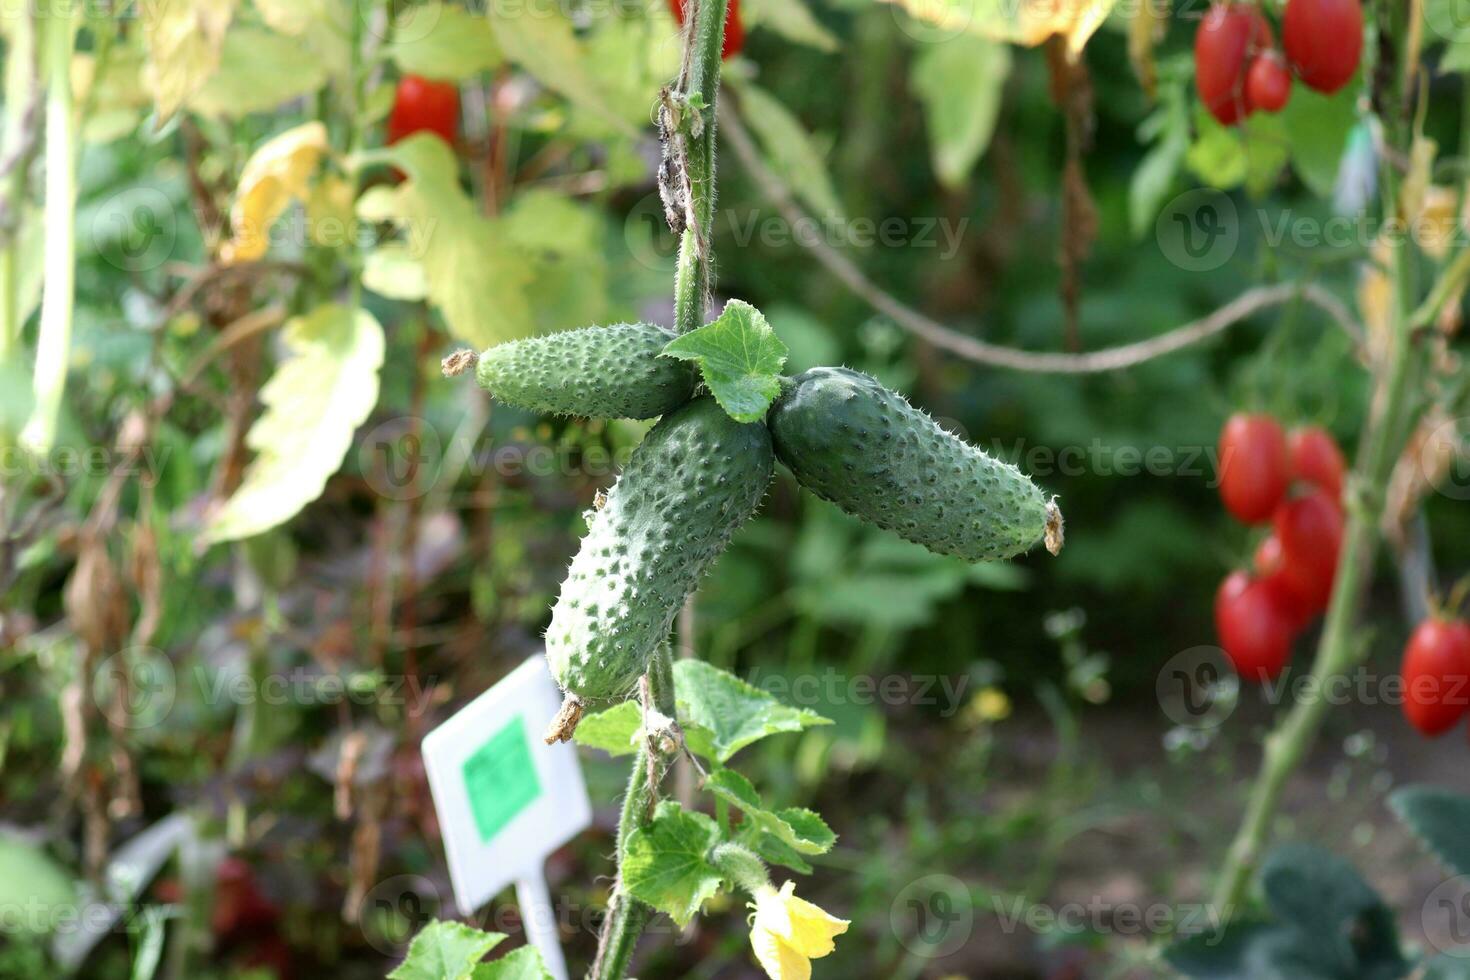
<point>727,415</point>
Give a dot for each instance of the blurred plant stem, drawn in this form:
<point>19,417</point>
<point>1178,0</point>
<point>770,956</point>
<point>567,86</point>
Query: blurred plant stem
<point>1396,365</point>
<point>16,147</point>
<point>53,344</point>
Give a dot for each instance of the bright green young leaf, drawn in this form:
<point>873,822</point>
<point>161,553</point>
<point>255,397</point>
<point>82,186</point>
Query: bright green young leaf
<point>792,19</point>
<point>789,149</point>
<point>1267,150</point>
<point>666,864</point>
<point>391,270</point>
<point>731,713</point>
<point>314,402</point>
<point>258,70</point>
<point>612,730</point>
<point>1317,128</point>
<point>451,44</point>
<point>183,38</point>
<point>1440,819</point>
<point>1218,155</point>
<point>475,277</point>
<point>29,879</point>
<point>446,951</point>
<point>740,358</point>
<point>519,964</point>
<point>544,44</point>
<point>960,81</point>
<point>808,835</point>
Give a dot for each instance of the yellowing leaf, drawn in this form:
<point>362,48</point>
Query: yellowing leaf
<point>389,270</point>
<point>275,174</point>
<point>314,402</point>
<point>476,277</point>
<point>1024,22</point>
<point>183,38</point>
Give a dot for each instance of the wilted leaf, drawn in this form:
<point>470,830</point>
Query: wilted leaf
<point>258,70</point>
<point>274,176</point>
<point>456,45</point>
<point>183,38</point>
<point>1145,29</point>
<point>960,82</point>
<point>475,277</point>
<point>740,358</point>
<point>665,865</point>
<point>789,150</point>
<point>318,396</point>
<point>1024,22</point>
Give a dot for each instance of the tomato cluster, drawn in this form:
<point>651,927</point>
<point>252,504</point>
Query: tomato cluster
<point>1238,69</point>
<point>424,105</point>
<point>1293,483</point>
<point>734,29</point>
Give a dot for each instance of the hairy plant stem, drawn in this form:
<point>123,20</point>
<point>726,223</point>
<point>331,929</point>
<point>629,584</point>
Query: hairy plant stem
<point>694,279</point>
<point>18,141</point>
<point>626,916</point>
<point>704,36</point>
<point>1341,648</point>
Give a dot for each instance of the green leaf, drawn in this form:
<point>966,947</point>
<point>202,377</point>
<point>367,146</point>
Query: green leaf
<point>1447,967</point>
<point>740,358</point>
<point>772,851</point>
<point>960,82</point>
<point>1267,150</point>
<point>789,149</point>
<point>613,730</point>
<point>1440,819</point>
<point>30,879</point>
<point>1317,129</point>
<point>476,278</point>
<point>319,395</point>
<point>792,19</point>
<point>324,26</point>
<point>258,70</point>
<point>1209,956</point>
<point>666,866</point>
<point>519,964</point>
<point>1340,922</point>
<point>731,713</point>
<point>453,44</point>
<point>801,830</point>
<point>445,951</point>
<point>543,43</point>
<point>390,270</point>
<point>1217,155</point>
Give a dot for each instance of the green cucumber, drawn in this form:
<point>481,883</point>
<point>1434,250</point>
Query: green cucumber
<point>852,441</point>
<point>597,372</point>
<point>695,478</point>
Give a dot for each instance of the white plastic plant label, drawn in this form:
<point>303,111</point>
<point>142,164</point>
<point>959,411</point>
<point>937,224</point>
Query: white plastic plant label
<point>505,799</point>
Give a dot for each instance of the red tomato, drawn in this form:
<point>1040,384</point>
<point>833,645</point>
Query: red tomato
<point>422,105</point>
<point>1436,673</point>
<point>1254,630</point>
<point>1267,83</point>
<point>1323,41</point>
<point>1227,37</point>
<point>1270,566</point>
<point>734,29</point>
<point>1254,467</point>
<point>1310,531</point>
<point>1316,459</point>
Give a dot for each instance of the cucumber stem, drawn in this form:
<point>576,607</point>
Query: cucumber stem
<point>694,278</point>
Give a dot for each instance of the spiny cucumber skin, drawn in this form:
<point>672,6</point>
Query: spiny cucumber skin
<point>854,442</point>
<point>696,477</point>
<point>612,372</point>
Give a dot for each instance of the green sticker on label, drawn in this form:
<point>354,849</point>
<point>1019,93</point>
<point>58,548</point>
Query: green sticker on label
<point>501,779</point>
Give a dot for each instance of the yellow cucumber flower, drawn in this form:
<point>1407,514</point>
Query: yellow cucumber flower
<point>789,932</point>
